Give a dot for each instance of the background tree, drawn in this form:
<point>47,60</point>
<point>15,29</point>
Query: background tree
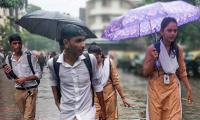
<point>36,42</point>
<point>31,8</point>
<point>13,6</point>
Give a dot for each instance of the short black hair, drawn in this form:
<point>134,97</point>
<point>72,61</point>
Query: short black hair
<point>70,30</point>
<point>14,37</point>
<point>94,48</point>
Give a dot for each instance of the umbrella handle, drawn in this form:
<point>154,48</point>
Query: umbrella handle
<point>155,35</point>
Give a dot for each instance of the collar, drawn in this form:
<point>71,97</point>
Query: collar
<point>61,58</point>
<point>23,54</point>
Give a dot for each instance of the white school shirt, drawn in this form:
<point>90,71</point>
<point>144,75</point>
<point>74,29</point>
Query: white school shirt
<point>21,68</point>
<point>75,85</point>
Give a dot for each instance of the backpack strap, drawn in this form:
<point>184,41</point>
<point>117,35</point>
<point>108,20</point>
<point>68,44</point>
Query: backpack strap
<point>56,67</point>
<point>12,74</point>
<point>31,65</point>
<point>88,64</point>
<point>157,46</point>
<point>30,62</point>
<point>110,67</point>
<point>9,60</point>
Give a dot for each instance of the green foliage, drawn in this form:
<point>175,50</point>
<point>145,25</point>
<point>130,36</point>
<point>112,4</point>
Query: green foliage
<point>12,3</point>
<point>197,2</point>
<point>189,35</point>
<point>5,31</point>
<point>32,8</point>
<point>35,42</point>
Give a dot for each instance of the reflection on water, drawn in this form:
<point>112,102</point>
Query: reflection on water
<point>134,86</point>
<point>46,109</point>
<point>8,109</point>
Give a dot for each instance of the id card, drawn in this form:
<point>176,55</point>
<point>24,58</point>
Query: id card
<point>166,79</point>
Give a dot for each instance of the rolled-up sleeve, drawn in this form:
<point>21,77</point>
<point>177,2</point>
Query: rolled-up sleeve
<point>36,67</point>
<point>52,75</point>
<point>96,78</point>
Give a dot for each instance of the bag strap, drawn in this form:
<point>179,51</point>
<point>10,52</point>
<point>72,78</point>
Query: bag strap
<point>31,65</point>
<point>10,61</point>
<point>88,64</point>
<point>12,74</point>
<point>110,66</point>
<point>30,62</point>
<point>56,67</point>
<point>157,46</point>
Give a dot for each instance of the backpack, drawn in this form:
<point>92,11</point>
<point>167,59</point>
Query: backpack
<point>29,62</point>
<point>88,64</point>
<point>157,46</point>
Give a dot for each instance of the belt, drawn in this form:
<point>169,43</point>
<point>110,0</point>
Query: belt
<point>168,74</point>
<point>26,88</point>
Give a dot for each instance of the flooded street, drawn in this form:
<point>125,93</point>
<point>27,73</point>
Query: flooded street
<point>46,109</point>
<point>134,86</point>
<point>8,109</point>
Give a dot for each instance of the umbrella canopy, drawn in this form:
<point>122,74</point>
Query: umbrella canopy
<point>49,24</point>
<point>146,20</point>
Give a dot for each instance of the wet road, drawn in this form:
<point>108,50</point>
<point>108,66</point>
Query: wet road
<point>8,109</point>
<point>134,86</point>
<point>46,109</point>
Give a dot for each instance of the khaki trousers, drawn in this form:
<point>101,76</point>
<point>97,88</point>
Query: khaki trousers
<point>26,103</point>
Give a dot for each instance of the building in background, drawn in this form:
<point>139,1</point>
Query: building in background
<point>82,14</point>
<point>100,12</point>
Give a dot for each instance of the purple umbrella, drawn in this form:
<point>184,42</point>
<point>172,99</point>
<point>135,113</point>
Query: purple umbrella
<point>146,20</point>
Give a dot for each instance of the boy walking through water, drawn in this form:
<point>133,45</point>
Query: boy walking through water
<point>25,80</point>
<point>76,102</point>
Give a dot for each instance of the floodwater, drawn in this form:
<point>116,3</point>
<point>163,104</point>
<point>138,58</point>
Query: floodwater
<point>134,87</point>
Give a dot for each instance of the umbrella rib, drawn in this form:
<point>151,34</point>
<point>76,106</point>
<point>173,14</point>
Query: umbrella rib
<point>139,29</point>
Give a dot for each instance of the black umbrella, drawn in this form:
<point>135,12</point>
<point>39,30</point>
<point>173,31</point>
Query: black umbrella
<point>49,24</point>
